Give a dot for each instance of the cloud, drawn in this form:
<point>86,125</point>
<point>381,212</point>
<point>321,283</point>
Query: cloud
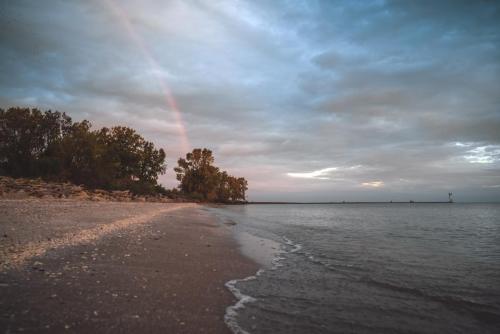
<point>406,91</point>
<point>321,174</point>
<point>483,154</point>
<point>373,184</point>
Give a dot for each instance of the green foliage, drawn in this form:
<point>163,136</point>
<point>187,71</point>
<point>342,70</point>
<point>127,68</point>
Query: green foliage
<point>201,180</point>
<point>25,136</point>
<point>48,144</point>
<point>197,174</point>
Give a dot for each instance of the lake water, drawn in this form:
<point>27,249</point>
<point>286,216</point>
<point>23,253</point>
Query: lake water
<point>370,268</point>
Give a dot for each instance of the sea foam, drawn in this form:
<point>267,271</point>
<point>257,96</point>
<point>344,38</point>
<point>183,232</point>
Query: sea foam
<point>230,318</point>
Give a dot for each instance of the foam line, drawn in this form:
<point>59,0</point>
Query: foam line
<point>230,318</point>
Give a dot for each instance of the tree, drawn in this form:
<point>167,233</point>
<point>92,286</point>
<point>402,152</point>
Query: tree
<point>50,145</point>
<point>237,188</point>
<point>80,154</point>
<point>197,174</point>
<point>223,188</point>
<point>25,136</point>
<point>200,179</point>
<point>134,159</point>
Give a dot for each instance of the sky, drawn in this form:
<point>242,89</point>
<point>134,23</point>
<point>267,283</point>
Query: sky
<point>308,100</point>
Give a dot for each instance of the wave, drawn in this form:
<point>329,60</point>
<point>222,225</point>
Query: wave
<point>230,318</point>
<point>232,311</point>
<point>485,312</point>
<point>296,247</point>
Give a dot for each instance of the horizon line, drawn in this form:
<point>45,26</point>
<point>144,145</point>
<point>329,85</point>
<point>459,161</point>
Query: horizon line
<point>373,202</point>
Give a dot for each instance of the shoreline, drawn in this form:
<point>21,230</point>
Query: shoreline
<point>164,271</point>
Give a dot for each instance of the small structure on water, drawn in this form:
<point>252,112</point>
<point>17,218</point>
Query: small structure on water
<point>450,197</point>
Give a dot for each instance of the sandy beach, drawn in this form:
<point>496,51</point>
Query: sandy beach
<point>110,267</point>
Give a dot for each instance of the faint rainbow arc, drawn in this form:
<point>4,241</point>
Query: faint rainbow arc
<point>166,92</point>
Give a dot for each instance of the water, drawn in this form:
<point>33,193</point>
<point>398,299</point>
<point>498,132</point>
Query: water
<point>371,268</point>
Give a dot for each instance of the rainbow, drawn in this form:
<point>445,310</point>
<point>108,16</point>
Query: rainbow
<point>156,68</point>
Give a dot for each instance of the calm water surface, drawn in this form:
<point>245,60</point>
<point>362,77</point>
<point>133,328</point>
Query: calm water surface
<point>374,268</point>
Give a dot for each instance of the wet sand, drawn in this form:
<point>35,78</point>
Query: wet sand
<point>71,266</point>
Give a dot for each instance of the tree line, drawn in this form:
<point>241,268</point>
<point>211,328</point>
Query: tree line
<point>200,178</point>
<point>47,144</point>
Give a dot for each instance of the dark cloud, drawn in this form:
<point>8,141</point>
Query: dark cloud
<point>381,99</point>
